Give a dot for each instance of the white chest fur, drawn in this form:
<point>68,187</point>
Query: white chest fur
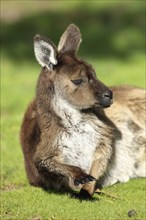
<point>79,139</point>
<point>78,145</point>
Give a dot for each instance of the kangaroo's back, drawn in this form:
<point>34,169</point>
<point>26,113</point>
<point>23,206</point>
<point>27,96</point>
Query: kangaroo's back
<point>30,136</point>
<point>132,100</point>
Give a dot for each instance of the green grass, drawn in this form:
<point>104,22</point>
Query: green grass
<point>113,42</point>
<point>28,202</point>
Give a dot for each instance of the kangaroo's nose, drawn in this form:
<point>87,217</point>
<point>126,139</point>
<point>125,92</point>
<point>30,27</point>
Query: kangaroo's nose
<point>108,94</point>
<point>106,99</point>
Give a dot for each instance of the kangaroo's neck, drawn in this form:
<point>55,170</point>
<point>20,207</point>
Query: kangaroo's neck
<point>68,114</point>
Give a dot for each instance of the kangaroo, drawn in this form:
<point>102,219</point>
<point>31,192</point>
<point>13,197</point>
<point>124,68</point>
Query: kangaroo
<point>73,135</point>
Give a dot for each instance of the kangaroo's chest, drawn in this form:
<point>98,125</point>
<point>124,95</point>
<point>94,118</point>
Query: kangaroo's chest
<point>78,144</point>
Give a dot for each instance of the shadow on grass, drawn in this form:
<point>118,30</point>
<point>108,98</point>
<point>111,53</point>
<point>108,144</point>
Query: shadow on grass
<point>73,194</point>
<point>112,31</point>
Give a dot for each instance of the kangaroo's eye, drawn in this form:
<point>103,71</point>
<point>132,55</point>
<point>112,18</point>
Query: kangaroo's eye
<point>77,81</point>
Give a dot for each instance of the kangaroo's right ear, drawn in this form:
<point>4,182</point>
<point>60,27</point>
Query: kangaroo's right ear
<point>70,40</point>
<point>45,51</point>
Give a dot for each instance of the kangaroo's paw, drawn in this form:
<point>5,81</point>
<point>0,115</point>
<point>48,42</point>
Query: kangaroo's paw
<point>83,179</point>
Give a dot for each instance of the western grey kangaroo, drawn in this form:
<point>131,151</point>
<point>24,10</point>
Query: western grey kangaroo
<point>69,137</point>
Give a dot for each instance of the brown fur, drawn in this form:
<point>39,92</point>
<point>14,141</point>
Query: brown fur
<point>132,100</point>
<point>42,124</point>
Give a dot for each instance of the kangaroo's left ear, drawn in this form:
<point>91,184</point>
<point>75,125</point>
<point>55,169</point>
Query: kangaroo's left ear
<point>45,51</point>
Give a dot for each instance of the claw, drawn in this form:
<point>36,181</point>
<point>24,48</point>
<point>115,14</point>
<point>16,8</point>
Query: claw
<point>84,179</point>
<point>91,178</point>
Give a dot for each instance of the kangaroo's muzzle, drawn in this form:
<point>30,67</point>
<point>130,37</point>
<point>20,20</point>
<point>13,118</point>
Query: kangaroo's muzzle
<point>106,99</point>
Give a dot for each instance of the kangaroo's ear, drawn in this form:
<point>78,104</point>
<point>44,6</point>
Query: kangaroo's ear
<point>45,51</point>
<point>70,40</point>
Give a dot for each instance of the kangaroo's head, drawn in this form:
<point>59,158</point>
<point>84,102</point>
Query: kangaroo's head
<point>68,76</point>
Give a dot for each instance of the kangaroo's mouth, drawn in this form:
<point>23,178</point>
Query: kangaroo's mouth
<point>106,102</point>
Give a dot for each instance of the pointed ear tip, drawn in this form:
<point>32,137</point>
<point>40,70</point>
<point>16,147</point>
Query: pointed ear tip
<point>37,36</point>
<point>74,26</point>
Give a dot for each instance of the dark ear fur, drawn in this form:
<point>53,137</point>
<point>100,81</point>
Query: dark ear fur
<point>70,40</point>
<point>45,51</point>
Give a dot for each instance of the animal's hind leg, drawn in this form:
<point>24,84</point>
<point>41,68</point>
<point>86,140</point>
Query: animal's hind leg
<point>140,161</point>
